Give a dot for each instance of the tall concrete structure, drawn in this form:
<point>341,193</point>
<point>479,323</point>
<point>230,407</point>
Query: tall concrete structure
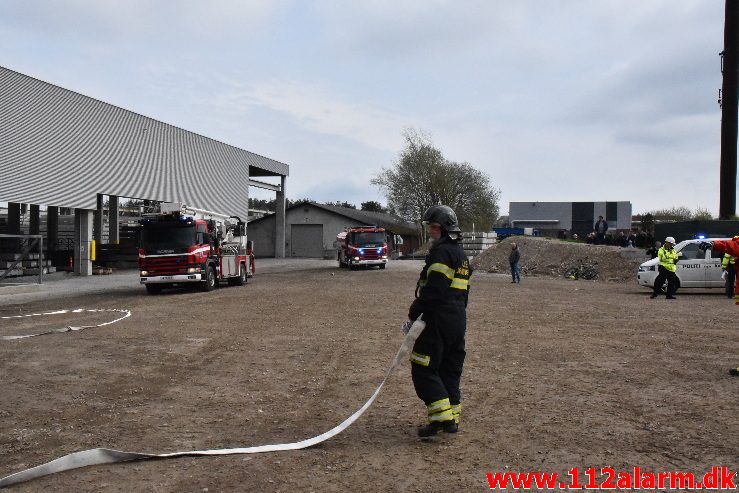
<point>729,109</point>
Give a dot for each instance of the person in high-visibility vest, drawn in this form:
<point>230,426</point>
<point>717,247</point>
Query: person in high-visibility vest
<point>441,296</point>
<point>728,263</point>
<point>730,247</point>
<point>667,266</point>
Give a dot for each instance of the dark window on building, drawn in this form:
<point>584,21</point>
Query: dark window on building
<point>582,218</point>
<point>611,211</point>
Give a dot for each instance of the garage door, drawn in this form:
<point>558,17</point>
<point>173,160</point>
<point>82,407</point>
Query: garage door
<point>306,240</point>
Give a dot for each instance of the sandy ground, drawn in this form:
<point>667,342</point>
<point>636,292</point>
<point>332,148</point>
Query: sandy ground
<point>559,374</point>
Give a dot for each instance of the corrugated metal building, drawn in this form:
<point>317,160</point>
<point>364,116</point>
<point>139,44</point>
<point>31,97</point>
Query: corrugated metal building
<point>59,148</point>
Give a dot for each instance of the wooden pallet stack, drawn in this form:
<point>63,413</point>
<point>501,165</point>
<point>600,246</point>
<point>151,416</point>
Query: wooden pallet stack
<point>474,243</point>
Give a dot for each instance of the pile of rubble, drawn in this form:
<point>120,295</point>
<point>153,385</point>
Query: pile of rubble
<point>558,258</point>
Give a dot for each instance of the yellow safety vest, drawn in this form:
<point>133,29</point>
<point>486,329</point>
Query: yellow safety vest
<point>667,258</point>
<point>727,261</point>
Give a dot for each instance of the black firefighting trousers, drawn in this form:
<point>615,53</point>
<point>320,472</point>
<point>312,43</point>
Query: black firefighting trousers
<point>438,355</point>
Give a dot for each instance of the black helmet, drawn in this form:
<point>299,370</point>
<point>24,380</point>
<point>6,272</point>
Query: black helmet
<point>444,216</point>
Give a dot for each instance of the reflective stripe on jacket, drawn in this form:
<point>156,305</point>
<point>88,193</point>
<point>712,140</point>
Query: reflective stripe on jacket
<point>668,258</point>
<point>444,279</point>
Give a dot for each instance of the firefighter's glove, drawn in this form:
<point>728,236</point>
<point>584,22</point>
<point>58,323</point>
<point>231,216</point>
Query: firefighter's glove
<point>406,326</point>
<point>705,245</point>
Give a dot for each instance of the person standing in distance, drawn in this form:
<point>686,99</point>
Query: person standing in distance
<point>667,266</point>
<point>442,291</point>
<point>652,252</point>
<point>600,227</point>
<point>513,259</point>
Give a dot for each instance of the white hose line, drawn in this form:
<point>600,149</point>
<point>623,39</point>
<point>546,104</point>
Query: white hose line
<point>107,456</point>
<point>126,314</point>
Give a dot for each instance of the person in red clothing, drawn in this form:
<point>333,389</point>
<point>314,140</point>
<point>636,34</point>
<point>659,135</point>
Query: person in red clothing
<point>732,248</point>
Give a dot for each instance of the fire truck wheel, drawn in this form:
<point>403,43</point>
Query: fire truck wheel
<point>153,288</point>
<point>210,279</point>
<point>242,279</point>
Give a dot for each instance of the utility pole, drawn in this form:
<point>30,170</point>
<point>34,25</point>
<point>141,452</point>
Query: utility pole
<point>729,102</point>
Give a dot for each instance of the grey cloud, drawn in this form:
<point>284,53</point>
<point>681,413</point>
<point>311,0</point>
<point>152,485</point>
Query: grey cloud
<point>650,90</point>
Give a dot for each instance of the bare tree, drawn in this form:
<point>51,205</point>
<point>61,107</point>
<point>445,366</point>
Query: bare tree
<point>422,177</point>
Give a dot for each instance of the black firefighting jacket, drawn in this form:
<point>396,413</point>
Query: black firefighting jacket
<point>445,279</point>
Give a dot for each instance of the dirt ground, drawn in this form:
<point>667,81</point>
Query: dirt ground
<point>559,374</point>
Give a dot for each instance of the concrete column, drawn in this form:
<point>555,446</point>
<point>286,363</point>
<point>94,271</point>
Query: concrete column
<point>280,221</point>
<point>98,220</point>
<point>82,239</point>
<point>113,233</point>
<point>35,225</point>
<point>52,227</point>
<point>14,218</point>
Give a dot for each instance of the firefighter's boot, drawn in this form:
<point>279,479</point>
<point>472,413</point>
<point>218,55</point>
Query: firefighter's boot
<point>433,429</point>
<point>441,419</point>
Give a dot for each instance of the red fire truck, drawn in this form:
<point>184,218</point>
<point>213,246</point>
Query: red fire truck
<point>364,245</point>
<point>184,245</point>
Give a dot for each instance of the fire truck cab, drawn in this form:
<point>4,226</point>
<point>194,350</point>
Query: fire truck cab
<point>184,245</point>
<point>360,246</point>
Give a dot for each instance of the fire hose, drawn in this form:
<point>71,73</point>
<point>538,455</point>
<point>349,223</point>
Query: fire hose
<point>98,456</point>
<point>68,328</point>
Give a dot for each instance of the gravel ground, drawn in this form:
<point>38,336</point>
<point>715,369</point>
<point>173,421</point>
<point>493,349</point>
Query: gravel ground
<point>559,374</point>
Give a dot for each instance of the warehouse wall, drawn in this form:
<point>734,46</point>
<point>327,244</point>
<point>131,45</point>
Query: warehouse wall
<point>618,215</point>
<point>261,231</point>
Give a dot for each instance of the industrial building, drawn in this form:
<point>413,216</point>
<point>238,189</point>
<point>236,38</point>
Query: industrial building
<point>311,230</point>
<point>573,217</point>
<point>62,149</point>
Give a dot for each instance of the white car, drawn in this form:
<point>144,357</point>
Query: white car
<point>695,268</point>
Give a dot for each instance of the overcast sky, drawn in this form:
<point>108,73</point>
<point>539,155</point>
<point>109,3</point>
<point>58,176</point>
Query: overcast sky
<point>559,100</point>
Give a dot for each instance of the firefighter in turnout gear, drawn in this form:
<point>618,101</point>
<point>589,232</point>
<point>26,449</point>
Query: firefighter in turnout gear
<point>441,296</point>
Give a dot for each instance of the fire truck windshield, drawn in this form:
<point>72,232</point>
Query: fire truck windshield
<point>368,239</point>
<point>167,237</point>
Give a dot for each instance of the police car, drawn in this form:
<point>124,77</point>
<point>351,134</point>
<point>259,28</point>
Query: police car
<point>695,268</point>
